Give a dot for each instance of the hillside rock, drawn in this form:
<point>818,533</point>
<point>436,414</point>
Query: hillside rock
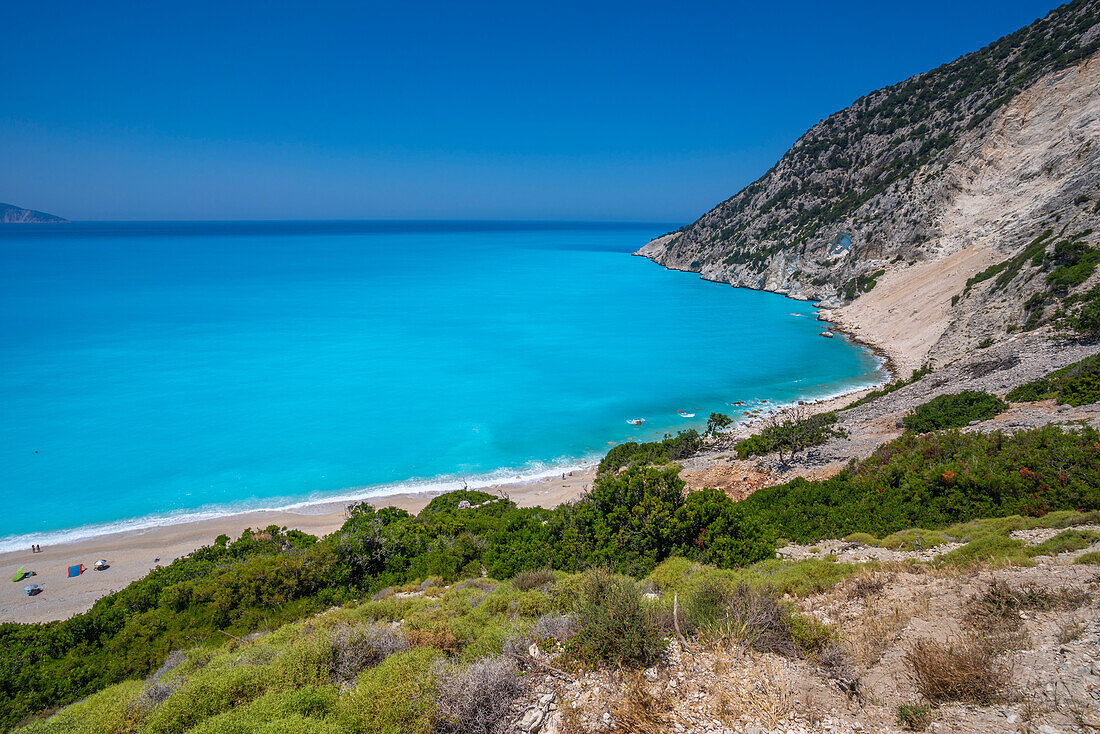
<point>978,156</point>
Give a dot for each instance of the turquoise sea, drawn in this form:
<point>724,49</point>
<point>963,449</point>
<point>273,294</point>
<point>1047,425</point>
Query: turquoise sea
<point>155,371</point>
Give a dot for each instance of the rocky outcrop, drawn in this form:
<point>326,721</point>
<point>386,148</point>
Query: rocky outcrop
<point>15,215</point>
<point>980,156</point>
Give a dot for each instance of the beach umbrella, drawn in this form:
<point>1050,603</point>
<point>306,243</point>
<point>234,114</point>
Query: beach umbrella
<point>31,589</point>
<point>101,563</point>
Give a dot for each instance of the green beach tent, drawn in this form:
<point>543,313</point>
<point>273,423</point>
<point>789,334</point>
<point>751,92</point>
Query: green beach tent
<point>19,575</point>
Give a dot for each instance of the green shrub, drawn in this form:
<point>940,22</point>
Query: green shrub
<point>954,411</point>
<point>989,549</point>
<point>615,624</point>
<point>659,453</point>
<point>809,634</point>
<point>1088,559</point>
<point>533,579</point>
<point>1087,320</point>
<point>1064,542</point>
<point>914,717</point>
<point>394,697</point>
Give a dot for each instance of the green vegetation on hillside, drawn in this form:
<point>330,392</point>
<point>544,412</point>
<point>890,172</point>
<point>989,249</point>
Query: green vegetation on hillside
<point>629,523</point>
<point>1068,264</point>
<point>954,410</point>
<point>938,479</point>
<point>442,660</point>
<point>1078,384</point>
<point>861,284</point>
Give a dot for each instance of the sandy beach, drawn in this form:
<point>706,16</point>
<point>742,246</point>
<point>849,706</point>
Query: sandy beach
<point>132,554</point>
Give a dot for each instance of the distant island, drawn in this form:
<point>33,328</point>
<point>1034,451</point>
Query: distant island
<point>10,214</point>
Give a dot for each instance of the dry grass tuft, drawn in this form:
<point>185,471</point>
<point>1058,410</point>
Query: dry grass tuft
<point>757,692</point>
<point>914,717</point>
<point>964,671</point>
<point>443,639</point>
<point>638,711</point>
<point>867,583</point>
<point>873,632</point>
<point>1069,631</point>
<point>994,614</point>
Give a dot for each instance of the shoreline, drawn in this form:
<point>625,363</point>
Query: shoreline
<point>308,506</point>
<point>131,553</point>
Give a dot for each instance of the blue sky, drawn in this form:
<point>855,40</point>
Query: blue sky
<point>594,111</point>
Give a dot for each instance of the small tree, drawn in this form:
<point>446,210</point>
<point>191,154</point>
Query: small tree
<point>790,431</point>
<point>716,423</point>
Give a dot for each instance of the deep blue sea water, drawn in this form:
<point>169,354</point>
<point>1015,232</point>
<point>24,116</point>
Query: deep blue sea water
<point>154,371</point>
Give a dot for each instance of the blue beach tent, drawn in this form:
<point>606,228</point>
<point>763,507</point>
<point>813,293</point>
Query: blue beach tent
<point>75,571</point>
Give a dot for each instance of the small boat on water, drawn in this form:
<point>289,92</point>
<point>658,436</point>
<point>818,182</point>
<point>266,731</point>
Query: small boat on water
<point>635,421</point>
<point>685,414</point>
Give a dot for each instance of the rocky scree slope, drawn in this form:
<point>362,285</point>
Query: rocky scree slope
<point>979,156</point>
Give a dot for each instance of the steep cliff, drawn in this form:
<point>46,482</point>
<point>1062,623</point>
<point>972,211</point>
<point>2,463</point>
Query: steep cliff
<point>15,215</point>
<point>897,200</point>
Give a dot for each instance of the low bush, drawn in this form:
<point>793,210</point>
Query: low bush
<point>1077,384</point>
<point>963,670</point>
<point>554,627</point>
<point>809,634</point>
<point>533,579</point>
<point>658,453</point>
<point>1064,542</point>
<point>753,617</point>
<point>615,624</point>
<point>356,648</point>
<point>954,410</point>
<point>398,696</point>
<point>988,549</point>
<point>475,698</point>
<point>1088,559</point>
